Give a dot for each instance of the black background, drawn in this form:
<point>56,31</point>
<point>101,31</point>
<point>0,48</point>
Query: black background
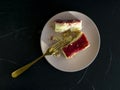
<point>21,23</point>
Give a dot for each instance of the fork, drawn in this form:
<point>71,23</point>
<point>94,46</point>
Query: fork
<point>50,51</point>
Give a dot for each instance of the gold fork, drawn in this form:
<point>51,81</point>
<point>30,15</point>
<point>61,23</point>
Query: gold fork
<point>50,51</point>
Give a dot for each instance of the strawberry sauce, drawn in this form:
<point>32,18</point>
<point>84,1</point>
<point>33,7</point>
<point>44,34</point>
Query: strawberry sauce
<point>76,46</point>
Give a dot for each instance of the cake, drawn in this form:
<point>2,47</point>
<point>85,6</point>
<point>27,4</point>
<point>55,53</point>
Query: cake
<point>78,44</point>
<point>71,28</point>
<point>64,25</point>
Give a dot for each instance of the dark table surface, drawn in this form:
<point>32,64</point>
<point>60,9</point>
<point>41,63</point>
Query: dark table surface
<point>21,23</point>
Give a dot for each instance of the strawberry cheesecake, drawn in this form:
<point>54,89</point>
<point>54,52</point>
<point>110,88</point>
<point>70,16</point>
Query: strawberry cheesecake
<point>64,25</point>
<point>78,44</point>
<point>71,28</point>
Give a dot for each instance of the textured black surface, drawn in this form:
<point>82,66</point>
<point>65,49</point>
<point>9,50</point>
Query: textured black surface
<point>21,23</point>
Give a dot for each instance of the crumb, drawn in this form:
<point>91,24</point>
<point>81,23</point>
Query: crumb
<point>51,38</point>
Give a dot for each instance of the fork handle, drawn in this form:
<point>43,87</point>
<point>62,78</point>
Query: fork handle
<point>20,70</point>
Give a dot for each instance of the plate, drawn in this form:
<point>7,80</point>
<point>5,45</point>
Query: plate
<point>84,58</point>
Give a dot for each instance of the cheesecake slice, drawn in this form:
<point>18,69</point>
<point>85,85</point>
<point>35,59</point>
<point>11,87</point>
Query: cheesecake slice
<point>64,25</point>
<point>78,44</point>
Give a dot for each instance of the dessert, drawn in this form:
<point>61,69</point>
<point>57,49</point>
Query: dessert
<point>64,25</point>
<point>75,46</point>
<point>71,30</point>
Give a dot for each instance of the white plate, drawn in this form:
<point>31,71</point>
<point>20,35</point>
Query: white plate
<point>83,58</point>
